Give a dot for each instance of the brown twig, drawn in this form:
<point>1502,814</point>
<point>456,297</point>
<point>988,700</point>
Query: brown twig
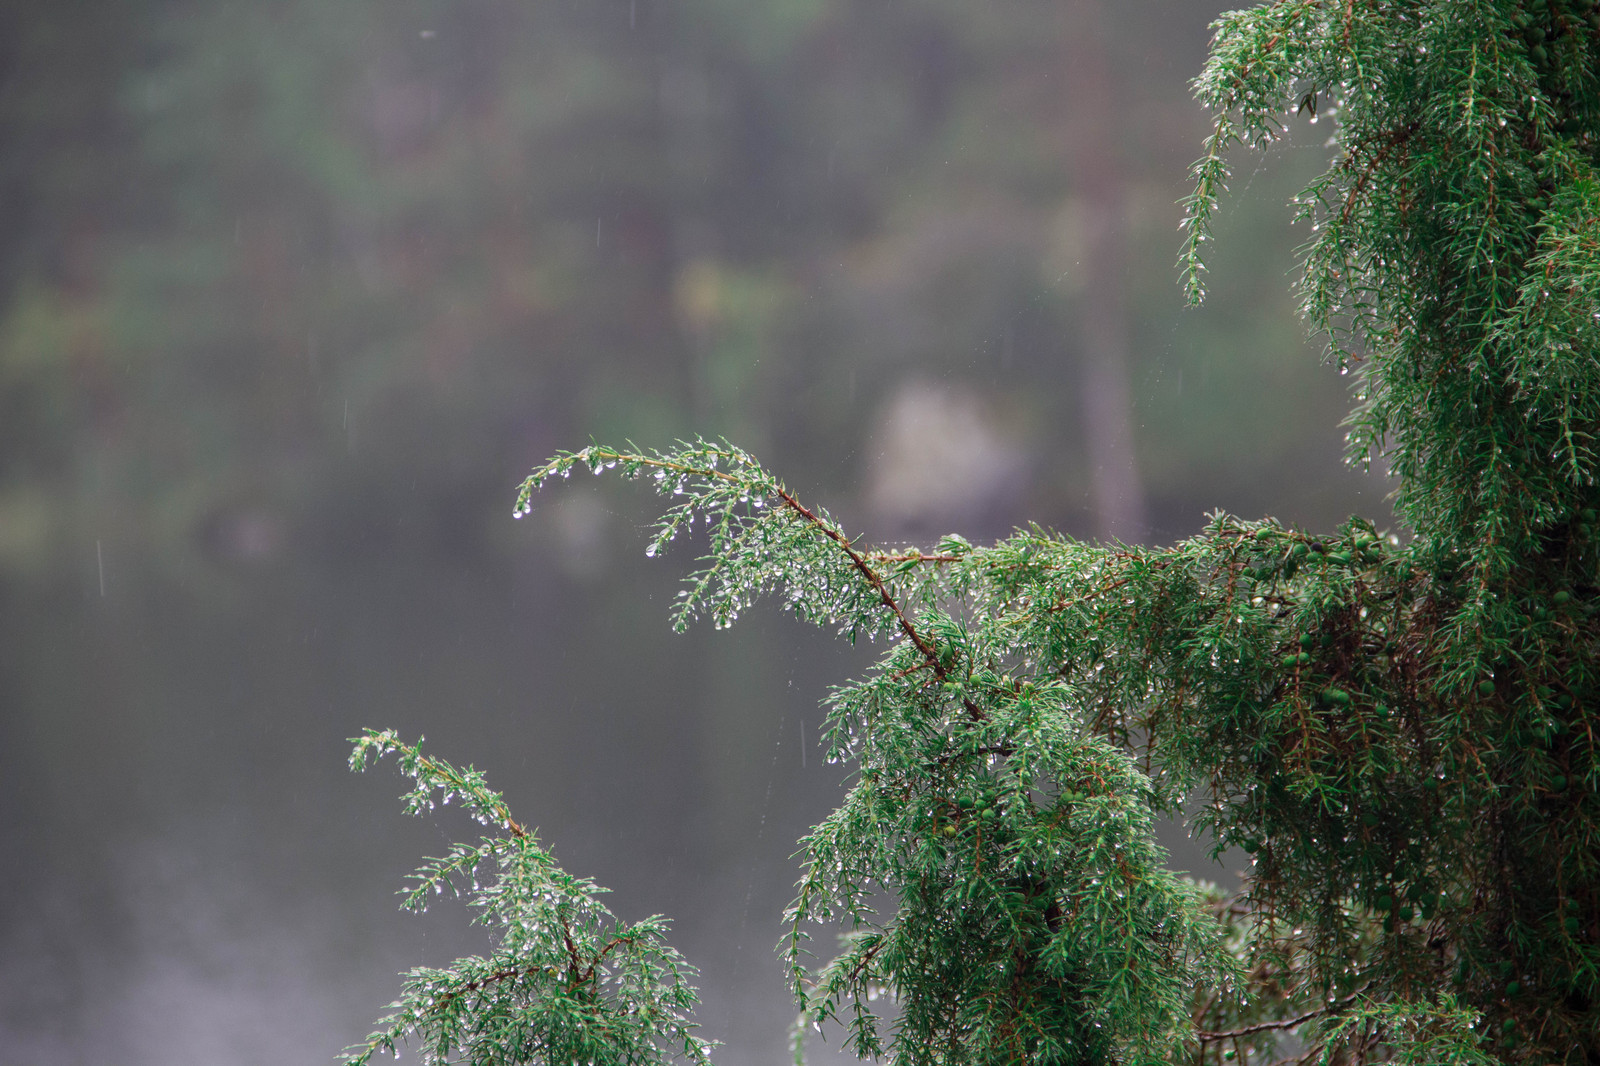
<point>1283,1023</point>
<point>600,956</point>
<point>866,957</point>
<point>871,576</point>
<point>1396,138</point>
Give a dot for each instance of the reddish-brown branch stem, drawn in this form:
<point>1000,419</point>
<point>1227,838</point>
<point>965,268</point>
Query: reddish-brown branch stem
<point>1284,1023</point>
<point>871,575</point>
<point>855,972</point>
<point>485,982</point>
<point>600,956</point>
<point>575,979</point>
<point>858,560</point>
<point>1396,139</point>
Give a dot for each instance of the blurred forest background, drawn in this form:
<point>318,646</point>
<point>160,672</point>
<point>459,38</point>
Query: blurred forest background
<point>294,292</point>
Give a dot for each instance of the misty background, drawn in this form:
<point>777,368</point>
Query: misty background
<point>293,293</point>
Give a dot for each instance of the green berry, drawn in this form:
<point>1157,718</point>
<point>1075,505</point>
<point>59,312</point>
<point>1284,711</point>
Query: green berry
<point>1337,696</point>
<point>1571,925</point>
<point>1305,640</point>
<point>1386,902</point>
<point>1561,597</point>
<point>1404,913</point>
<point>949,830</point>
<point>1486,688</point>
<point>1558,782</point>
<point>1589,516</point>
<point>1514,989</point>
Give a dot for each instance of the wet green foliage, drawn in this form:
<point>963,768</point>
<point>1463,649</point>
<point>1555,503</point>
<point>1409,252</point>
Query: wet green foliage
<point>1399,730</point>
<point>1445,774</point>
<point>566,982</point>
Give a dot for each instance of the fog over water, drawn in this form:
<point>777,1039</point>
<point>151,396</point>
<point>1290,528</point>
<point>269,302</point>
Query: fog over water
<point>292,296</point>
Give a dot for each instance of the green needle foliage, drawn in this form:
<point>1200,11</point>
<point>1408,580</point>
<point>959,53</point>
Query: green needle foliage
<point>567,982</point>
<point>1401,731</point>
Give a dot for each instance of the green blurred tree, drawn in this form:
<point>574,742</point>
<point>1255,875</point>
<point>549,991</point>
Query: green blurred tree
<point>268,257</point>
<point>1402,735</point>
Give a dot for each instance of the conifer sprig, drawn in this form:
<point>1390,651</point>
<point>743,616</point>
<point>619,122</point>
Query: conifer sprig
<point>753,520</point>
<point>567,981</point>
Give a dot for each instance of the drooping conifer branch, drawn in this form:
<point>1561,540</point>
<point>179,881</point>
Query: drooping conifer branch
<point>725,485</point>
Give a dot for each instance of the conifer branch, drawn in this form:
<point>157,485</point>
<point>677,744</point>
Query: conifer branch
<point>549,924</point>
<point>700,460</point>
